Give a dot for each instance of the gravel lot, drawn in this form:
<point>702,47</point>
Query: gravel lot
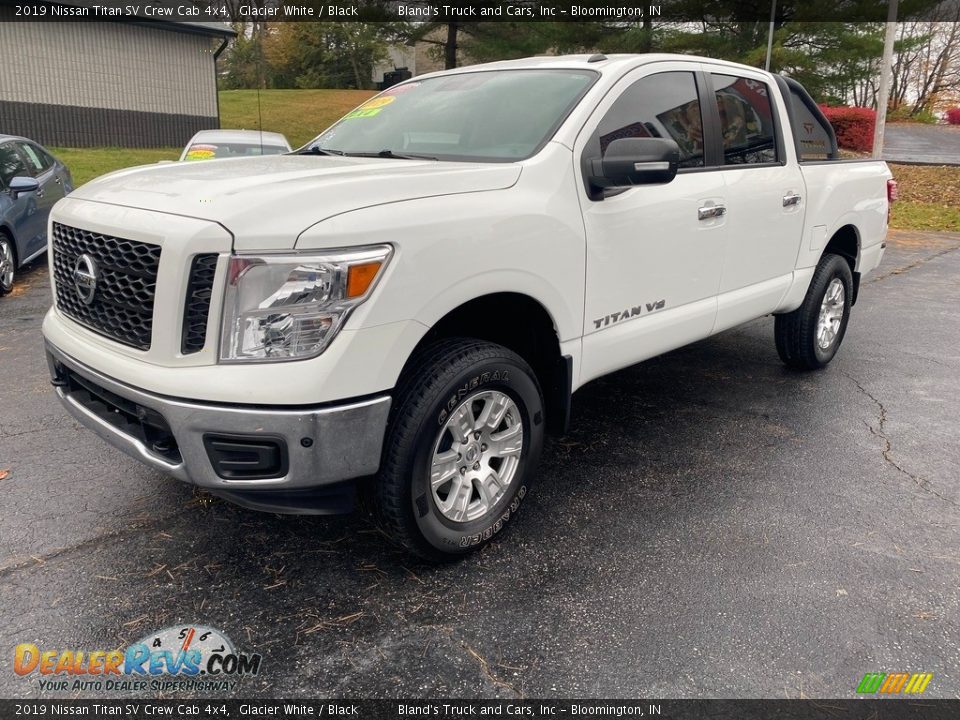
<point>713,526</point>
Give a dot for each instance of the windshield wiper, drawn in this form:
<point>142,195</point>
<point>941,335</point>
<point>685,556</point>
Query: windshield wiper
<point>392,155</point>
<point>317,150</point>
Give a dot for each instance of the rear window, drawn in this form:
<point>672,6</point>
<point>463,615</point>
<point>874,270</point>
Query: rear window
<point>218,151</point>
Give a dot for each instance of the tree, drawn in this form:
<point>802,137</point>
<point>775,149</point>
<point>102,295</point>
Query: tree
<point>324,54</point>
<point>927,63</point>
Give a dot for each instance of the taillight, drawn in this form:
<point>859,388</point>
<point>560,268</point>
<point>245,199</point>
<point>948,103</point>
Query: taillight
<point>892,195</point>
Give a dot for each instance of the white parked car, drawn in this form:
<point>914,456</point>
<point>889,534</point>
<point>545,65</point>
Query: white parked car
<point>219,144</point>
<point>408,304</point>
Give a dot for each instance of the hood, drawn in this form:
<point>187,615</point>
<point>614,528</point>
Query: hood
<point>267,202</point>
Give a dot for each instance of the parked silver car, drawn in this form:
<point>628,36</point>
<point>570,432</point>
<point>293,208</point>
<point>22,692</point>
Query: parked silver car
<point>31,182</point>
<point>219,144</point>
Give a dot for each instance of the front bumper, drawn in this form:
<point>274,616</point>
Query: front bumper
<point>318,449</point>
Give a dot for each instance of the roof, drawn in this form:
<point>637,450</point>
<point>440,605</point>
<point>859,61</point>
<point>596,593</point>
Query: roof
<point>600,62</point>
<point>240,136</point>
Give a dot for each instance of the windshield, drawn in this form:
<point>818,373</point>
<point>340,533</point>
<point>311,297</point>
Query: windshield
<point>211,151</point>
<point>497,115</point>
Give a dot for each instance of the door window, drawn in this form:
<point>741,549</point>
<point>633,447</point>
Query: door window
<point>35,157</point>
<point>746,120</point>
<point>664,105</point>
<point>11,164</point>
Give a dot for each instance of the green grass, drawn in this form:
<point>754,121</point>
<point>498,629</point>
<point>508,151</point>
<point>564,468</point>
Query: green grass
<point>298,114</point>
<point>87,163</point>
<point>912,215</point>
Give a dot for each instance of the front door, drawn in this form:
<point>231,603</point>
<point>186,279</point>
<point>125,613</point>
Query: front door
<point>42,167</point>
<point>654,252</point>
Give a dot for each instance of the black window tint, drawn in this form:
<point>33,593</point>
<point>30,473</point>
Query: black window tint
<point>11,164</point>
<point>664,106</point>
<point>746,120</point>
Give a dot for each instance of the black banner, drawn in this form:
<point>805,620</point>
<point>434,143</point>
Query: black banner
<point>866,709</point>
<point>610,11</point>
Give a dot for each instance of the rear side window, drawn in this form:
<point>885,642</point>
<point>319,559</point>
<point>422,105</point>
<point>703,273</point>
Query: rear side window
<point>746,120</point>
<point>664,105</point>
<point>37,160</point>
<point>11,164</point>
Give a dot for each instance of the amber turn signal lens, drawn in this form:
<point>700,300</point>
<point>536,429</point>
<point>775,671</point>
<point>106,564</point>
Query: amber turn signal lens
<point>359,278</point>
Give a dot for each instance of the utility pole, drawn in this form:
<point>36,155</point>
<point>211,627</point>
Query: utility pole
<point>886,69</point>
<point>773,17</point>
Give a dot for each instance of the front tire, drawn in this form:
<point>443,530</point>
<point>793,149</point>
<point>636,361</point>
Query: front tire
<point>464,440</point>
<point>8,264</point>
<point>809,337</point>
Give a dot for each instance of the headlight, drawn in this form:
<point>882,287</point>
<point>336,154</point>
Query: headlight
<point>289,307</point>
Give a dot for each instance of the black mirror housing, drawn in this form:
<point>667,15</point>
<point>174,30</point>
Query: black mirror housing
<point>636,161</point>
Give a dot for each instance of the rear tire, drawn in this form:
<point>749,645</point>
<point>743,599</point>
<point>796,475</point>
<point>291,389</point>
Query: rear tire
<point>463,444</point>
<point>8,264</point>
<point>809,337</point>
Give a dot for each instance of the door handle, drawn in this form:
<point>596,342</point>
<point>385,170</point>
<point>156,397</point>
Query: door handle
<point>711,211</point>
<point>791,199</point>
<point>57,181</point>
<point>40,192</point>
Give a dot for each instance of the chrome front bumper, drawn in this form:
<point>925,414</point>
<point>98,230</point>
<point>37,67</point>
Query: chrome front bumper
<point>323,446</point>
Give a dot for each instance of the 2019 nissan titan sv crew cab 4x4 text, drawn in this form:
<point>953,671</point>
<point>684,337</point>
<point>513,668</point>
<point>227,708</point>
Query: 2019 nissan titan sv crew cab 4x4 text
<point>407,303</point>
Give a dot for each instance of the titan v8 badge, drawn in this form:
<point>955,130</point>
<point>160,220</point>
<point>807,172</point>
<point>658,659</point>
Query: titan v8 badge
<point>627,314</point>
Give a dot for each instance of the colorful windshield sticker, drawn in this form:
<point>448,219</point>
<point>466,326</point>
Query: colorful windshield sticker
<point>371,107</point>
<point>201,152</point>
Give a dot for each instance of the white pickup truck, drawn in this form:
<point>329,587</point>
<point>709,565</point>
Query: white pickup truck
<point>407,303</point>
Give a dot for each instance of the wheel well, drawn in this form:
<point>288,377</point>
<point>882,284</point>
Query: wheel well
<point>846,243</point>
<point>4,232</point>
<point>522,324</point>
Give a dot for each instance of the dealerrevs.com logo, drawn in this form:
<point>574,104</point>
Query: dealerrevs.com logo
<point>894,683</point>
<point>184,658</point>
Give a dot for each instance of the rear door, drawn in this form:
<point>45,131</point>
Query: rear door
<point>764,193</point>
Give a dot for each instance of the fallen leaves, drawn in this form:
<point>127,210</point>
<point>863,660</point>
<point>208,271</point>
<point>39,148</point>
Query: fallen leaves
<point>937,185</point>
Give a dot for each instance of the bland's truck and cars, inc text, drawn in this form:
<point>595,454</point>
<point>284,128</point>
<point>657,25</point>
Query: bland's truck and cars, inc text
<point>405,305</point>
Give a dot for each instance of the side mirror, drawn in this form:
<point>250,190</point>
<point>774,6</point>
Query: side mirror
<point>21,184</point>
<point>636,161</point>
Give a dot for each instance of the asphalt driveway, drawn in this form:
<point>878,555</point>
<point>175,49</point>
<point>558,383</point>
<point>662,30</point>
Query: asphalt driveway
<point>914,143</point>
<point>714,525</point>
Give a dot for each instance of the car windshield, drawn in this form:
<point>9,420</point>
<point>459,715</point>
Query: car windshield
<point>210,151</point>
<point>498,115</point>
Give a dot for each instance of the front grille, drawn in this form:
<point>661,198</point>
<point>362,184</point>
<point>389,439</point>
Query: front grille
<point>197,306</point>
<point>122,306</point>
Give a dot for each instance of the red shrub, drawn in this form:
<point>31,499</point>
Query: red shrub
<point>953,116</point>
<point>853,126</point>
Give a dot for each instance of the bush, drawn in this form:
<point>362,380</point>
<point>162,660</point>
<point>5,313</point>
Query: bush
<point>953,116</point>
<point>905,113</point>
<point>853,126</point>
